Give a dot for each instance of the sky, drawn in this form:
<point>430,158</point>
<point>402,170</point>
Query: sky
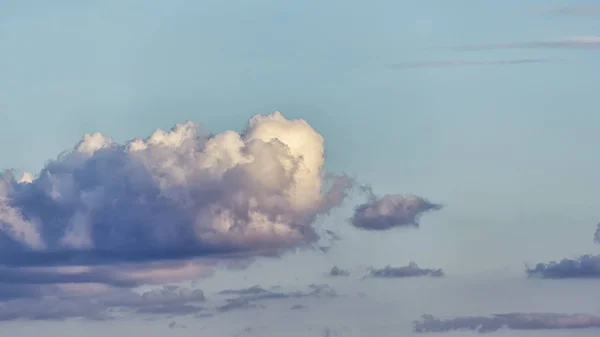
<point>457,135</point>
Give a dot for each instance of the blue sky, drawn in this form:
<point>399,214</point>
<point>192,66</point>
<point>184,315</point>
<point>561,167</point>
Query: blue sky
<point>507,148</point>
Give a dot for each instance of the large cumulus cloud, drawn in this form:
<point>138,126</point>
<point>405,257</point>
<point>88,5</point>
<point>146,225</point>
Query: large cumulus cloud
<point>111,214</point>
<point>391,211</point>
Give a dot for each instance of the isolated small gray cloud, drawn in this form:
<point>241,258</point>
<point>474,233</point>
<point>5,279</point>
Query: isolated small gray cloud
<point>391,211</point>
<point>514,321</point>
<point>411,270</point>
<point>337,271</point>
<point>175,325</point>
<point>449,64</point>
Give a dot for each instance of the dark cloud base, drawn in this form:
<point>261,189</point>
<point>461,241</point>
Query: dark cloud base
<point>584,267</point>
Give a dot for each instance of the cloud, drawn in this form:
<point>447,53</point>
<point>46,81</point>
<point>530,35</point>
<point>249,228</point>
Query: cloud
<point>169,300</point>
<point>248,297</point>
<point>336,271</point>
<point>447,64</point>
<point>391,211</point>
<point>411,270</point>
<point>175,325</point>
<point>164,208</point>
<point>515,321</point>
<point>578,10</point>
<point>586,266</point>
<point>572,42</point>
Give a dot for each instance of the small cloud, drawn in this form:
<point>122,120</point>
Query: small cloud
<point>336,271</point>
<point>297,307</point>
<point>411,270</point>
<point>448,64</point>
<point>514,321</point>
<point>391,211</point>
<point>175,325</point>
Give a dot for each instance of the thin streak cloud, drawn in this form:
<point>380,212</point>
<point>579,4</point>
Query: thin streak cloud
<point>448,64</point>
<point>572,42</point>
<point>578,10</point>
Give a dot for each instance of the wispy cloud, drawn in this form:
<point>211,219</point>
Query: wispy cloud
<point>448,64</point>
<point>572,42</point>
<point>583,10</point>
<point>170,300</point>
<point>514,321</point>
<point>247,298</point>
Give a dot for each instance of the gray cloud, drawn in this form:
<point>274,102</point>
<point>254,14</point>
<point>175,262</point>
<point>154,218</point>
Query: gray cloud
<point>175,325</point>
<point>411,270</point>
<point>586,266</point>
<point>573,42</point>
<point>170,300</point>
<point>391,211</point>
<point>447,64</point>
<point>515,321</point>
<point>164,208</point>
<point>248,297</point>
<point>336,271</point>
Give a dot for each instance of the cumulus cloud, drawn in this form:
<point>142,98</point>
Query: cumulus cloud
<point>145,211</point>
<point>462,63</point>
<point>390,211</point>
<point>411,270</point>
<point>586,266</point>
<point>515,321</point>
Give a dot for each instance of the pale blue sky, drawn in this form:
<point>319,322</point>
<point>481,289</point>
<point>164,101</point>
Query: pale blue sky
<point>510,149</point>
